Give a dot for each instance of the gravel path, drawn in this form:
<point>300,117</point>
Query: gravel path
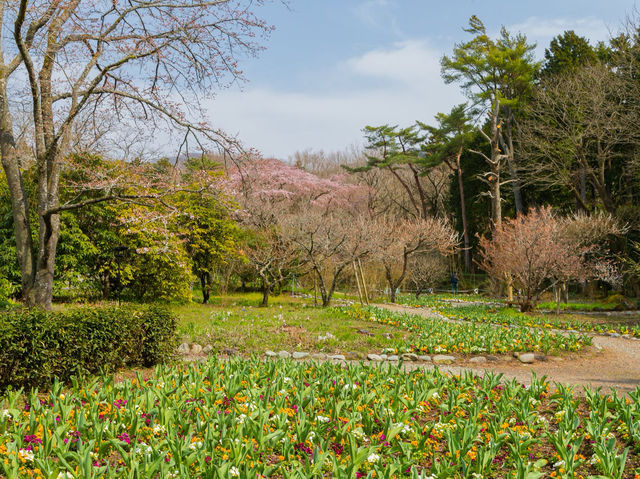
<point>611,363</point>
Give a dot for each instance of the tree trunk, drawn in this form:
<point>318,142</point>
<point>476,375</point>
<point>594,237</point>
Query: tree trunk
<point>266,289</point>
<point>19,203</point>
<point>463,213</point>
<point>206,289</point>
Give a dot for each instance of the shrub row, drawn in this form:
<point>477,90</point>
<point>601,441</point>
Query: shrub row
<point>37,346</point>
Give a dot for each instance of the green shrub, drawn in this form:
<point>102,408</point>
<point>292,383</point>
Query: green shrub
<point>37,346</point>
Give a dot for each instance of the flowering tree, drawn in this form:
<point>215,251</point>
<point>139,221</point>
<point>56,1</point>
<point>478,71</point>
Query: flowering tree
<point>144,62</point>
<point>275,201</point>
<point>540,250</point>
<point>398,240</point>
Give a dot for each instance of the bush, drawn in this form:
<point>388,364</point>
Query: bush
<point>37,346</point>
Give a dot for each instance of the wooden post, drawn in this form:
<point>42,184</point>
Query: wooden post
<point>364,283</point>
<point>355,272</point>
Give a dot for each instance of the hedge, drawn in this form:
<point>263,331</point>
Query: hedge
<point>38,346</point>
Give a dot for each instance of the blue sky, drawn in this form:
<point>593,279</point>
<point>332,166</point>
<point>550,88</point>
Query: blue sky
<point>333,66</point>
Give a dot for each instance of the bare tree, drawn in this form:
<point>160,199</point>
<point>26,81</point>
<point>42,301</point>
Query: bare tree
<point>579,128</point>
<point>427,270</point>
<point>147,62</point>
<point>397,241</point>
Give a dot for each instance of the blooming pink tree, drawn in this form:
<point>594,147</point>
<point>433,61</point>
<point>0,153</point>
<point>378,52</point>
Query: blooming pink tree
<point>540,250</point>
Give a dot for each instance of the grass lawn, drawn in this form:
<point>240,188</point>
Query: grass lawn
<point>291,324</point>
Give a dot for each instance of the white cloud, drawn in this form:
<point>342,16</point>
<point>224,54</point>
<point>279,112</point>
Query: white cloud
<point>409,62</point>
<point>407,87</point>
<point>372,12</point>
<point>542,30</point>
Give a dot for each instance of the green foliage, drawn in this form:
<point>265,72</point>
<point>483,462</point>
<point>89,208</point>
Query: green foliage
<point>37,347</point>
<point>567,52</point>
<point>491,71</point>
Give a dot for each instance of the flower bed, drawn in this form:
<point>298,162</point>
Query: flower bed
<point>437,336</point>
<point>491,313</point>
<point>248,418</point>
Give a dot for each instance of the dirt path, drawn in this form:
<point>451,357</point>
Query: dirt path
<point>611,363</point>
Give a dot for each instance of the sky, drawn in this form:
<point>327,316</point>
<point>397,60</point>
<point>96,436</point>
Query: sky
<point>331,67</point>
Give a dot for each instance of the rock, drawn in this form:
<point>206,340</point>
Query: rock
<point>337,357</point>
<point>615,335</point>
<point>527,358</point>
<point>478,360</point>
<point>299,355</point>
<point>555,359</point>
<point>319,356</point>
<point>393,357</point>
<point>384,356</point>
<point>492,358</point>
<point>207,349</point>
<point>374,357</point>
<point>354,356</point>
<point>284,354</point>
<point>366,332</point>
<point>196,349</point>
<point>271,354</point>
<point>443,359</point>
<point>387,335</point>
<point>410,357</point>
<point>426,359</point>
<point>183,348</point>
<point>540,357</point>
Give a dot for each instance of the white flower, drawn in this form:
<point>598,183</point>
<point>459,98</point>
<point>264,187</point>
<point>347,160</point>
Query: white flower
<point>240,419</point>
<point>143,448</point>
<point>234,472</point>
<point>373,458</point>
<point>558,464</point>
<point>159,429</point>
<point>195,445</point>
<point>65,475</point>
<point>323,418</point>
<point>26,455</point>
<point>5,414</point>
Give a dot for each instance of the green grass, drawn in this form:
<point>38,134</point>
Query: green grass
<point>290,324</point>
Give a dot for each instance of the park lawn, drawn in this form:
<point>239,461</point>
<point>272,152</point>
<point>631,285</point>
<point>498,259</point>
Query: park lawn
<point>235,322</point>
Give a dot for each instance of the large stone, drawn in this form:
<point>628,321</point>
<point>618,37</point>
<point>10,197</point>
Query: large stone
<point>492,358</point>
<point>319,356</point>
<point>374,357</point>
<point>426,359</point>
<point>540,357</point>
<point>478,360</point>
<point>410,357</point>
<point>299,355</point>
<point>337,357</point>
<point>271,354</point>
<point>354,356</point>
<point>393,357</point>
<point>207,349</point>
<point>284,354</point>
<point>443,359</point>
<point>183,348</point>
<point>526,358</point>
<point>196,349</point>
<point>384,356</point>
